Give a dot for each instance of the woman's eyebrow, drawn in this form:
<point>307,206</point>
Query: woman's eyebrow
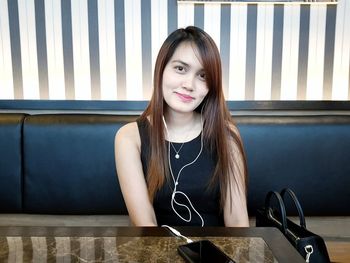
<point>186,64</point>
<point>181,62</point>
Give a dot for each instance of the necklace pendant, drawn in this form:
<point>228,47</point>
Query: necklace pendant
<point>177,156</point>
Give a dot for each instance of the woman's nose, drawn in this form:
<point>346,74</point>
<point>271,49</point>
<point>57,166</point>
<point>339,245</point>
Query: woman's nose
<point>188,83</point>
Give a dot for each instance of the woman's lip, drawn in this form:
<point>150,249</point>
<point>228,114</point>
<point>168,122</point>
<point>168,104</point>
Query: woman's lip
<point>184,97</point>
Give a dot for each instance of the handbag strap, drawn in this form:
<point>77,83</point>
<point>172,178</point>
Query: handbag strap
<point>281,208</point>
<point>296,203</point>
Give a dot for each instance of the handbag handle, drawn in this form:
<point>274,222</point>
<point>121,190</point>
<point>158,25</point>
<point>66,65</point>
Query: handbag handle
<point>281,207</point>
<point>296,203</point>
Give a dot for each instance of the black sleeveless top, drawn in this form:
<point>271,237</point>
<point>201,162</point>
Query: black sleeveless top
<point>193,181</point>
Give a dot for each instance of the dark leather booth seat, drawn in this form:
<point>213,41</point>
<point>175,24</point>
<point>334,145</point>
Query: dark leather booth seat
<point>309,154</point>
<point>11,170</point>
<point>69,164</point>
<point>64,163</point>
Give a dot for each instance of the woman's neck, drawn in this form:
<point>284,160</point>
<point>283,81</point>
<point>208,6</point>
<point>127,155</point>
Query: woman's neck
<point>183,127</point>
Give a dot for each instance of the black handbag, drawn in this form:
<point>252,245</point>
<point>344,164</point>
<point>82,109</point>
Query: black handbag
<point>311,246</point>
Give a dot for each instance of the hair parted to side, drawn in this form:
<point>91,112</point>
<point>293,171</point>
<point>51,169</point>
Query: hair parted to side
<point>218,130</point>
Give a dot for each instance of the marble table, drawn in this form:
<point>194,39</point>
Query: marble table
<point>135,244</point>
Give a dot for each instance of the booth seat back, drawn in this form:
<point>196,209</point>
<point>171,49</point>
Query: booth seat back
<point>309,154</point>
<point>69,165</point>
<point>64,164</point>
<point>11,162</point>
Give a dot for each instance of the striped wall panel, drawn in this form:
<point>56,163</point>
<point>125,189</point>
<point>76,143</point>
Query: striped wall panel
<point>106,49</point>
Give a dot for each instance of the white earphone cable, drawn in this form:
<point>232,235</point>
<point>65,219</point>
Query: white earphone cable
<point>173,196</point>
<point>177,233</point>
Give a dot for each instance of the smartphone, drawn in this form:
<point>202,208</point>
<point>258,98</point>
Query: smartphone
<point>203,251</point>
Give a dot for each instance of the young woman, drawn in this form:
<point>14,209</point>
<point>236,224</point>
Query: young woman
<point>182,162</point>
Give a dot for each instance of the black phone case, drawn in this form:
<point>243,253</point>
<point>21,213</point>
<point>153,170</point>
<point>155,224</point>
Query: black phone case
<point>192,257</point>
<point>185,255</point>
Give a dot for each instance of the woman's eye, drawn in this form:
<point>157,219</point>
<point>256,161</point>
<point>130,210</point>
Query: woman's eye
<point>180,68</point>
<point>202,76</point>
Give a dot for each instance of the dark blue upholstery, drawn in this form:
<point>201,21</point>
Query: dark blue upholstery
<point>10,162</point>
<point>69,165</point>
<point>311,155</point>
<point>66,162</point>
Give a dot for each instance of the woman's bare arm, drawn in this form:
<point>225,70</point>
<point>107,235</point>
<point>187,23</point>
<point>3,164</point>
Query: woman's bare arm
<point>131,178</point>
<point>237,214</point>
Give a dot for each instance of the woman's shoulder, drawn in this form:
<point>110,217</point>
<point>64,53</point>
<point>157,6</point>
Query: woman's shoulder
<point>128,134</point>
<point>234,137</point>
<point>232,128</point>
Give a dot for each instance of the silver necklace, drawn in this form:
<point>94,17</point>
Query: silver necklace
<point>177,155</point>
<point>177,152</point>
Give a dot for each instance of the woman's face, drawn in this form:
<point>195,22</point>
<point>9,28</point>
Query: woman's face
<point>184,81</point>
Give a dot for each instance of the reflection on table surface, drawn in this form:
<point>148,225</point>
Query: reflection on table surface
<point>138,244</point>
<point>123,249</point>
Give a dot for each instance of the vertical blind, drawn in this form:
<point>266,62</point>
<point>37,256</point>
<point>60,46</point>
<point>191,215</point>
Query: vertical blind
<point>106,49</point>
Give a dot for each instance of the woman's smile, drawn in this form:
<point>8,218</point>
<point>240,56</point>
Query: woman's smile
<point>184,97</point>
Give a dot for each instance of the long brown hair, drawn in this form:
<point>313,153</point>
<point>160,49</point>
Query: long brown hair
<point>217,129</point>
